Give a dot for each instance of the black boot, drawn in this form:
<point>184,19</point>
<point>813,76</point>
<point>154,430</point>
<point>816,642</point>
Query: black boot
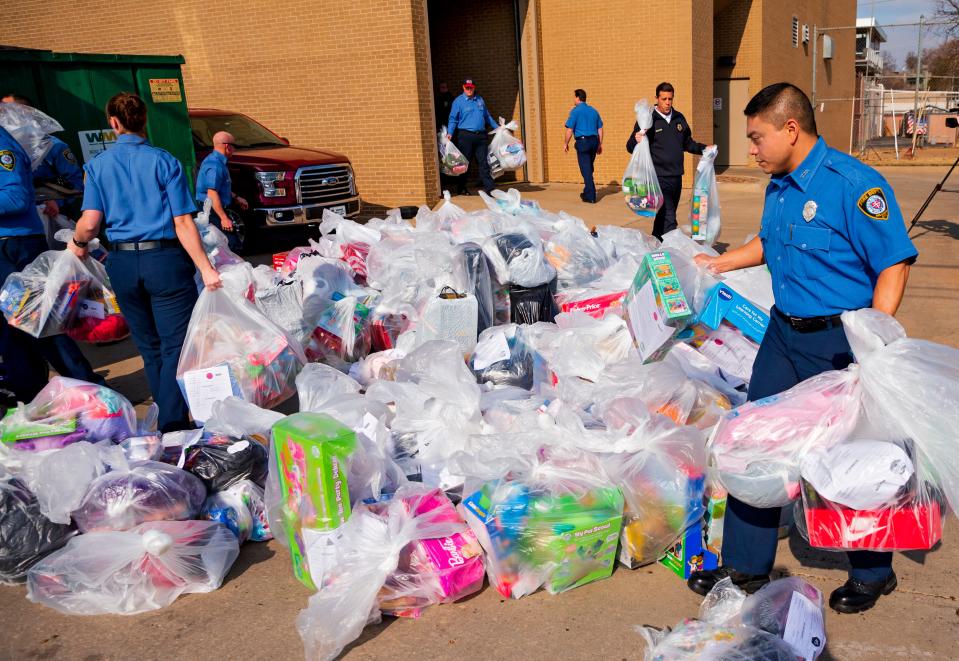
<point>701,582</point>
<point>857,596</point>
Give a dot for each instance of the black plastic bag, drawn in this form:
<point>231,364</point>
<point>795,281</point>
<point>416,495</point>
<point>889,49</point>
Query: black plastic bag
<point>531,304</point>
<point>26,536</point>
<point>480,284</point>
<point>221,461</point>
<point>516,370</point>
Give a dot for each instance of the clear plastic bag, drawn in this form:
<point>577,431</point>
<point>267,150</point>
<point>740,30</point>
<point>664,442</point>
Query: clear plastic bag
<point>146,491</point>
<point>221,461</point>
<point>555,521</point>
<point>283,305</point>
<point>700,641</point>
<point>44,298</point>
<point>98,317</point>
<point>215,242</point>
<point>67,411</point>
<point>238,418</point>
<point>139,570</point>
<point>704,219</point>
<point>756,448</point>
<point>506,152</point>
<point>26,535</point>
<point>242,509</point>
<point>576,255</point>
<point>452,161</point>
<point>31,128</point>
<point>351,241</point>
<point>377,558</point>
<point>502,357</point>
<point>442,219</point>
<point>63,477</point>
<point>582,346</point>
<point>640,183</point>
<point>451,316</point>
<point>231,341</point>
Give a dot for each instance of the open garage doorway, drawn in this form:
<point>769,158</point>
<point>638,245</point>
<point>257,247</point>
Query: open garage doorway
<point>478,39</point>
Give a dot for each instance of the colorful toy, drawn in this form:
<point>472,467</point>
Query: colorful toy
<point>311,452</point>
<point>689,554</point>
<point>640,183</point>
<point>98,317</point>
<point>240,508</point>
<point>452,161</point>
<point>67,411</point>
<point>656,308</point>
<point>44,298</point>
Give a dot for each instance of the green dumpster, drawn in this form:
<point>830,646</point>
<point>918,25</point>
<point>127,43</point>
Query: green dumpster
<point>74,88</point>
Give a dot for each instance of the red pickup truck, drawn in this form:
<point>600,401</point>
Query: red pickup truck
<point>286,186</point>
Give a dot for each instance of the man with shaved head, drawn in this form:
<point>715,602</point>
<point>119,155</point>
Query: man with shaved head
<point>834,239</point>
<point>213,181</point>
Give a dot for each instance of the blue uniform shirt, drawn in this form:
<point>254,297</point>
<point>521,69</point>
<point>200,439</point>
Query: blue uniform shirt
<point>584,120</point>
<point>469,114</point>
<point>18,210</point>
<point>828,229</point>
<point>214,174</point>
<point>60,162</point>
<point>139,188</point>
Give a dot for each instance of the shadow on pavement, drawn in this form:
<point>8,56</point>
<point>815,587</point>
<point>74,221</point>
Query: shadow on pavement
<point>942,227</point>
<point>813,557</point>
<point>251,553</point>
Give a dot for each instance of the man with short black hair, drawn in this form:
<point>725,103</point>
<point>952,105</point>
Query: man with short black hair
<point>669,137</point>
<point>469,117</point>
<point>834,239</point>
<point>585,124</point>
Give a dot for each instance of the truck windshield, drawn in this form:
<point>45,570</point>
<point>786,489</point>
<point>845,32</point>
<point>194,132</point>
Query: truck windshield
<point>246,132</point>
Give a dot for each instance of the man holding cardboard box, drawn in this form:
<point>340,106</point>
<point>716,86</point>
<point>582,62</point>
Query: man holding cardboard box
<point>834,239</point>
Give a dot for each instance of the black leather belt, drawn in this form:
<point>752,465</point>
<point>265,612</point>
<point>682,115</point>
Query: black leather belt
<point>141,246</point>
<point>583,137</point>
<point>811,324</point>
<point>473,132</point>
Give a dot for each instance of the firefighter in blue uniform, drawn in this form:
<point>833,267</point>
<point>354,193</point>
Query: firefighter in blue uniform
<point>669,139</point>
<point>469,117</point>
<point>834,239</point>
<point>141,194</point>
<point>213,182</point>
<point>586,126</point>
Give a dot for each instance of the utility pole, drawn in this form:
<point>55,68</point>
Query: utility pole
<point>915,103</point>
<point>815,42</point>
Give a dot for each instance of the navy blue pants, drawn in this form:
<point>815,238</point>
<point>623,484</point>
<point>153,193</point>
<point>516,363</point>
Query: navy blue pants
<point>61,352</point>
<point>474,145</point>
<point>665,221</point>
<point>156,292</point>
<point>586,148</point>
<point>786,357</point>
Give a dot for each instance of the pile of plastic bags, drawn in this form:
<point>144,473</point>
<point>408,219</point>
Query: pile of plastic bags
<point>502,393</point>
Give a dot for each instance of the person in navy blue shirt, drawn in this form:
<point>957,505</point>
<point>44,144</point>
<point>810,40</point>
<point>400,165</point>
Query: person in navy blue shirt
<point>670,138</point>
<point>59,166</point>
<point>213,182</point>
<point>834,239</point>
<point>585,124</point>
<point>140,192</point>
<point>469,118</point>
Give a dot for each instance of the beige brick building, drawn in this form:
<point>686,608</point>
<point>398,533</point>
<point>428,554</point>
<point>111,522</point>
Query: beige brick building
<point>359,77</point>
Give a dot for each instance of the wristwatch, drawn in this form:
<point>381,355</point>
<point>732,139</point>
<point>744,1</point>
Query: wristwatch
<point>80,244</point>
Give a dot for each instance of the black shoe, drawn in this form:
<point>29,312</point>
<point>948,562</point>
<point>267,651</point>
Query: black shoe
<point>489,192</point>
<point>582,196</point>
<point>857,596</point>
<point>464,192</point>
<point>701,582</point>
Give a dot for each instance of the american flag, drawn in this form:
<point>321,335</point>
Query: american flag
<point>911,125</point>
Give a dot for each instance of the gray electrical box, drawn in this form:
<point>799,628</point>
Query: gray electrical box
<point>826,47</point>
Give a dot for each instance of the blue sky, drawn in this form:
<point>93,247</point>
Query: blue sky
<point>901,40</point>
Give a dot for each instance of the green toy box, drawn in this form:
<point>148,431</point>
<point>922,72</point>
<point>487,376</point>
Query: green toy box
<point>311,453</point>
<point>656,308</point>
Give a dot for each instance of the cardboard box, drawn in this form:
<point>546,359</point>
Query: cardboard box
<point>725,304</point>
<point>834,526</point>
<point>278,259</point>
<point>656,308</point>
<point>311,451</point>
<point>689,554</point>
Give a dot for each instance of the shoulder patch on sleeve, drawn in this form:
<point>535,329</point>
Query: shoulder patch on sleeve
<point>69,157</point>
<point>873,204</point>
<point>7,160</point>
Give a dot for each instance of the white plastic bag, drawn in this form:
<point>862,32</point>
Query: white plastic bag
<point>44,298</point>
<point>31,128</point>
<point>704,217</point>
<point>518,259</point>
<point>237,418</point>
<point>640,183</point>
<point>63,477</point>
<point>506,152</point>
<point>452,161</point>
<point>135,571</point>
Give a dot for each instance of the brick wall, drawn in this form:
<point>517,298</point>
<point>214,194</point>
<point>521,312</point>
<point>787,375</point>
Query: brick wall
<point>618,54</point>
<point>349,76</point>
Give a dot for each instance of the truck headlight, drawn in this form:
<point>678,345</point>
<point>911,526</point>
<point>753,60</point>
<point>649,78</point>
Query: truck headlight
<point>273,183</point>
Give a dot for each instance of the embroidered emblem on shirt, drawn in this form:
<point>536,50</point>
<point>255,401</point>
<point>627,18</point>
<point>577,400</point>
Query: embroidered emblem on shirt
<point>679,127</point>
<point>7,160</point>
<point>873,204</point>
<point>69,157</point>
<point>809,210</point>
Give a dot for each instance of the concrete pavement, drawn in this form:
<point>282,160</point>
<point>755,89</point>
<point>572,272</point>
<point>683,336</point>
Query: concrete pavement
<point>253,614</point>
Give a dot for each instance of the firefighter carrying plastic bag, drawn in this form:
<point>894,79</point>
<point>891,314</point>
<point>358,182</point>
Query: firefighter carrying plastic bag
<point>640,184</point>
<point>506,152</point>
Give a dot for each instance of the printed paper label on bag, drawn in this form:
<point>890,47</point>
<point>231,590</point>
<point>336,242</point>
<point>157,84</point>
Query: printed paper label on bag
<point>94,309</point>
<point>493,349</point>
<point>804,631</point>
<point>206,386</point>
